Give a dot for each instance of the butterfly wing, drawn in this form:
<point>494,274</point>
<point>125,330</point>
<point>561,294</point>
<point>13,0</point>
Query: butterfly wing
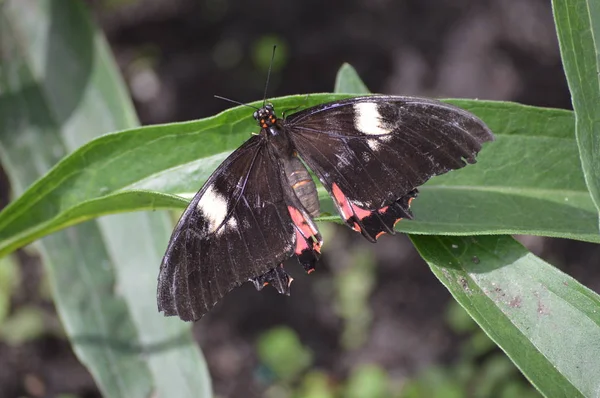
<point>371,153</point>
<point>237,228</point>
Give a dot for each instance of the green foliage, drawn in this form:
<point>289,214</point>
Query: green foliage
<point>578,28</point>
<point>283,353</point>
<point>59,92</point>
<point>353,286</point>
<point>24,325</point>
<point>59,89</point>
<point>368,381</point>
<point>516,183</point>
<point>526,306</point>
<point>316,385</point>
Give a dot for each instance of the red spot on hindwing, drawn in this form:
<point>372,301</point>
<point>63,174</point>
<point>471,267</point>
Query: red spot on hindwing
<point>308,239</point>
<point>343,203</point>
<point>301,221</point>
<point>372,223</point>
<point>347,208</point>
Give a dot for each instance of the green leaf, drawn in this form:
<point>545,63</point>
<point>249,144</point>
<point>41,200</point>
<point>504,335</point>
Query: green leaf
<point>368,381</point>
<point>26,324</point>
<point>545,321</point>
<point>515,188</point>
<point>348,81</point>
<point>281,350</point>
<point>578,28</point>
<point>531,171</point>
<point>59,88</point>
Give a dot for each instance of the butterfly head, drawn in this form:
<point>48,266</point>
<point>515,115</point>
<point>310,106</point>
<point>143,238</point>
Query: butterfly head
<point>265,116</point>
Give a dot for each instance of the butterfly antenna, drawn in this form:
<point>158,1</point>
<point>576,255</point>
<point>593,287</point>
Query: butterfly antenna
<point>268,76</point>
<point>235,102</point>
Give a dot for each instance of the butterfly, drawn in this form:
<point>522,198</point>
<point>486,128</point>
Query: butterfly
<point>258,208</point>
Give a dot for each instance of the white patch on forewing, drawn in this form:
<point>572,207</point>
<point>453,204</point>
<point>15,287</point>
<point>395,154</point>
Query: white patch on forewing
<point>213,207</point>
<point>367,119</point>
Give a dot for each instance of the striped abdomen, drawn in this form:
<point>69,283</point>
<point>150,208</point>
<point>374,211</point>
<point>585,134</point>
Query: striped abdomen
<point>303,185</point>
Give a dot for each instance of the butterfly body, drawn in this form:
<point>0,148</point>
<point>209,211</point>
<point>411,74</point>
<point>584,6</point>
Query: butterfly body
<point>257,209</point>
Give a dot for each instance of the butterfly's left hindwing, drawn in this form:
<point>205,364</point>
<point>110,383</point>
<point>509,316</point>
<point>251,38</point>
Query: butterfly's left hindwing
<point>371,153</point>
<point>237,228</point>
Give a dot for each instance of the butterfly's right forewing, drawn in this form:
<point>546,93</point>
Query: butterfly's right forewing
<point>371,153</point>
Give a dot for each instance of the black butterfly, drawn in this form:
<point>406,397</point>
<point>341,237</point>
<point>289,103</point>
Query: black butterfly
<point>256,210</point>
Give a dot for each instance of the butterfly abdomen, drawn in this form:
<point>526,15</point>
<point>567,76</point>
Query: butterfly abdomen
<point>303,185</point>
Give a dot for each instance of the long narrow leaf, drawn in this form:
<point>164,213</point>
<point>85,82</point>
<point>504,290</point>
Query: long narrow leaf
<point>578,27</point>
<point>59,89</point>
<point>545,321</point>
<point>514,186</point>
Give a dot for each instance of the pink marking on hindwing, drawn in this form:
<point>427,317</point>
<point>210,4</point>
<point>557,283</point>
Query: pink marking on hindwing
<point>347,208</point>
<point>304,232</point>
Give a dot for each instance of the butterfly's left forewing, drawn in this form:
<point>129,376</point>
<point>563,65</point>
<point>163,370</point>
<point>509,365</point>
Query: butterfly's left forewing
<point>237,228</point>
<point>371,153</point>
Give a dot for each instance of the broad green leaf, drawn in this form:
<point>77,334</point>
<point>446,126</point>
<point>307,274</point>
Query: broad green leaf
<point>514,187</point>
<point>59,88</point>
<point>578,27</point>
<point>545,321</point>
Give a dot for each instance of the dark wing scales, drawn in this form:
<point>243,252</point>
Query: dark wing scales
<point>377,150</point>
<point>237,228</point>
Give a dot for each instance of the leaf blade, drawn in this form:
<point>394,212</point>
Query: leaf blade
<point>544,320</point>
<point>578,28</point>
<point>197,147</point>
<point>58,89</point>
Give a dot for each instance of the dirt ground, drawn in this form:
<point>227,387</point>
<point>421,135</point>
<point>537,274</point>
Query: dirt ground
<point>176,54</point>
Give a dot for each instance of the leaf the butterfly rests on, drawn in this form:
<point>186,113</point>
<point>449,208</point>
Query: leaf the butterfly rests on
<point>255,211</point>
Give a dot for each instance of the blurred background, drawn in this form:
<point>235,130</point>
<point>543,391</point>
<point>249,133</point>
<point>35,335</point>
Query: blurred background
<point>373,321</point>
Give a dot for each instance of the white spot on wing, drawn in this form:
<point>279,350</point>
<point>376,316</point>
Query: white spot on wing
<point>367,119</point>
<point>213,207</point>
